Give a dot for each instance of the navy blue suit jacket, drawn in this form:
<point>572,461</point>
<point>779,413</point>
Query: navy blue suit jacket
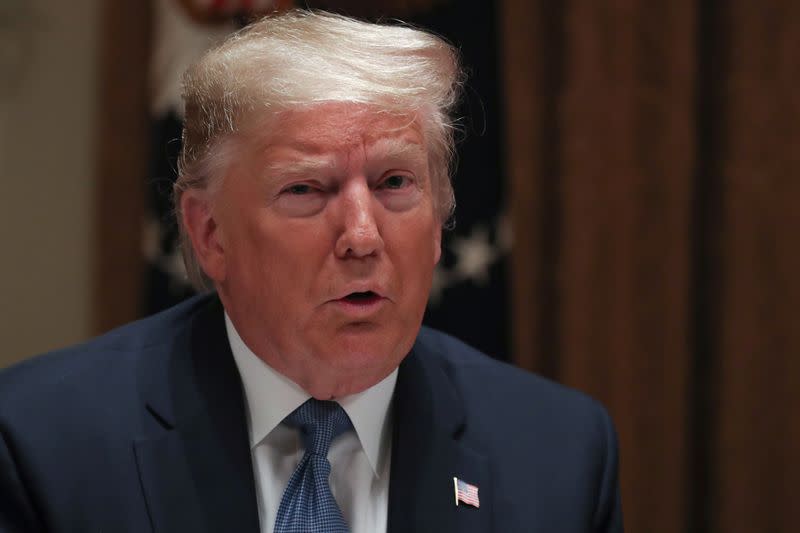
<point>144,429</point>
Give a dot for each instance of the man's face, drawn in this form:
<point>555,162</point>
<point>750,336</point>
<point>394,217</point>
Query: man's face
<point>327,239</point>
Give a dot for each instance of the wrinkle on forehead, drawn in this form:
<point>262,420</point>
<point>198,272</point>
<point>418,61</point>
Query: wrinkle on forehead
<point>336,127</point>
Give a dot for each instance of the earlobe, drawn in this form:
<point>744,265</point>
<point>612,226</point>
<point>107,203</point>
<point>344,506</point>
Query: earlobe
<point>437,245</point>
<point>204,233</point>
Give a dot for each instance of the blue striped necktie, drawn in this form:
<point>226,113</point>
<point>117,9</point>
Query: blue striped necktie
<point>308,505</point>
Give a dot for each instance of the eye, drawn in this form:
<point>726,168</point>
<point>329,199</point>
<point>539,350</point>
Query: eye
<point>298,189</point>
<point>301,199</point>
<point>399,192</point>
<point>396,181</point>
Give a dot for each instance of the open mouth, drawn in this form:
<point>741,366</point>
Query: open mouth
<point>361,298</point>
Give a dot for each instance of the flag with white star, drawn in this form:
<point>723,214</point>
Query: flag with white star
<point>183,31</point>
<point>469,298</point>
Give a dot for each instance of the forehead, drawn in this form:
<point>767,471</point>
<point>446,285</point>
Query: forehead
<point>338,127</point>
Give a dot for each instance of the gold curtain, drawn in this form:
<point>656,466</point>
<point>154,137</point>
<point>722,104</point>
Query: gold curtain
<point>654,175</point>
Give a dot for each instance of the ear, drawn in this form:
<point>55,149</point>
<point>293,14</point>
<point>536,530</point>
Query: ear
<point>437,244</point>
<point>204,232</point>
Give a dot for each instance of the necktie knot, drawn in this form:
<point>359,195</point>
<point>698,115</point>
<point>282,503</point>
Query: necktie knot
<point>319,421</point>
<point>308,506</point>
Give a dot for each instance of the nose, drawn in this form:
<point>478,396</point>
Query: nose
<point>359,236</point>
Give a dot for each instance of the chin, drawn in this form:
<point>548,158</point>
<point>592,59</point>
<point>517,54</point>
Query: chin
<point>352,367</point>
<point>353,360</point>
<point>367,347</point>
<point>341,381</point>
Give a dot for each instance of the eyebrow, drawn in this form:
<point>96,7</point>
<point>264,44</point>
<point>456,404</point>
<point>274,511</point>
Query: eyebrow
<point>398,148</point>
<point>300,167</point>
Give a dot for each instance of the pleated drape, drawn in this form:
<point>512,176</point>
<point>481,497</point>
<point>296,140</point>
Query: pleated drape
<point>652,155</point>
<point>122,127</point>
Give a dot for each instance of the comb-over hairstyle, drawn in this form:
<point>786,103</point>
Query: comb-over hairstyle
<point>301,58</point>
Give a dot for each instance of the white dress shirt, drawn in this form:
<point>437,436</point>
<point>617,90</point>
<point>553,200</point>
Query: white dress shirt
<point>359,459</point>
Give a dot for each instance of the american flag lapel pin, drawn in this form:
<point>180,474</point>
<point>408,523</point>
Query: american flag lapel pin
<point>466,493</point>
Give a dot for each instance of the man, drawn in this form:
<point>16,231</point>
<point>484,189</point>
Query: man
<point>302,394</point>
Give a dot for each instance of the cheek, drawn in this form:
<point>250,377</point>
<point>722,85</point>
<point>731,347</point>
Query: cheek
<point>420,253</point>
<point>280,258</point>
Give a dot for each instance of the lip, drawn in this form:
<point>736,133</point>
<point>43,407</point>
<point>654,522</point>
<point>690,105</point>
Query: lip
<point>359,287</point>
<point>360,308</point>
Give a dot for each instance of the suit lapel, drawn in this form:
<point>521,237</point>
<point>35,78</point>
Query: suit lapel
<point>195,465</point>
<point>196,469</point>
<point>427,452</point>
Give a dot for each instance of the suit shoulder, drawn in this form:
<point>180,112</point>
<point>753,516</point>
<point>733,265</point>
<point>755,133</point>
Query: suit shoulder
<point>103,359</point>
<point>537,436</point>
<point>500,382</point>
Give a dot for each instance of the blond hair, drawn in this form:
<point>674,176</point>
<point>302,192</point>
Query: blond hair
<point>301,58</point>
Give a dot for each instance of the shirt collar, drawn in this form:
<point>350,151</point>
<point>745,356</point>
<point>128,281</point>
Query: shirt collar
<point>271,397</point>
